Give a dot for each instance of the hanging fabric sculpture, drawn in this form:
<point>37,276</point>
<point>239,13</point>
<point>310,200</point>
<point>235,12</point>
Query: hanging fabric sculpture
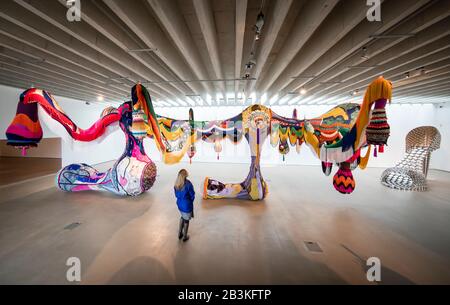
<point>336,137</point>
<point>132,174</point>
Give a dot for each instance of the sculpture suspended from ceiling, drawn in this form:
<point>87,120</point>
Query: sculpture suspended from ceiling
<point>132,174</point>
<point>337,137</point>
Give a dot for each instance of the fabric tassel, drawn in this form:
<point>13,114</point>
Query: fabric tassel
<point>381,149</point>
<point>375,153</point>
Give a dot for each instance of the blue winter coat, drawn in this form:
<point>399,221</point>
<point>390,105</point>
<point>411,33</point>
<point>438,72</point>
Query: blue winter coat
<point>185,197</point>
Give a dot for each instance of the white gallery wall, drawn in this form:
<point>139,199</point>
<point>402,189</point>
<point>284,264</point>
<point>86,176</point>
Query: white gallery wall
<point>402,119</point>
<point>83,115</point>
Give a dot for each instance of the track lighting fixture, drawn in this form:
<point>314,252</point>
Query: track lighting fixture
<point>259,23</point>
<point>364,53</point>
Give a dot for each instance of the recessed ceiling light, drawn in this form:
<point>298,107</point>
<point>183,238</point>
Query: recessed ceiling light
<point>100,98</point>
<point>303,91</point>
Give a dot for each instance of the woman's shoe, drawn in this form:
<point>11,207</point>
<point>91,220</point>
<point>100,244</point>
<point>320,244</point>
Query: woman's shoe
<point>186,238</point>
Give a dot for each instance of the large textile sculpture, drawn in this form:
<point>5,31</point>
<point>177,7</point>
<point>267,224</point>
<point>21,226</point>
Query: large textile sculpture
<point>410,174</point>
<point>336,138</point>
<point>132,174</point>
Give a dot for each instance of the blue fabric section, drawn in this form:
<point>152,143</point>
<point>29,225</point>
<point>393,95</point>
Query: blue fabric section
<point>349,139</point>
<point>185,197</point>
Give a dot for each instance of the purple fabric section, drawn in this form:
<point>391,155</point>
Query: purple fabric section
<point>380,104</point>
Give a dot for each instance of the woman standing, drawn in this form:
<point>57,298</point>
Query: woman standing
<point>184,191</point>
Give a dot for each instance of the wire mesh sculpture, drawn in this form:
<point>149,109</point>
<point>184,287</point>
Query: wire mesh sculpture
<point>410,174</point>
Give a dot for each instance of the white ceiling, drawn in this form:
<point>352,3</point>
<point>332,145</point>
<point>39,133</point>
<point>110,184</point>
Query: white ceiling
<point>194,52</point>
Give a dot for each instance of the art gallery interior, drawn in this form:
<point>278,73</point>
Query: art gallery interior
<point>337,112</point>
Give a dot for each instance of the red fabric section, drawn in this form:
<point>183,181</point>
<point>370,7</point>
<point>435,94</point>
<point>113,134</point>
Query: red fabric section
<point>85,135</point>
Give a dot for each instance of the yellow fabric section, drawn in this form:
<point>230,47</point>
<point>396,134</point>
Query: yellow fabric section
<point>311,140</point>
<point>254,194</point>
<point>175,156</point>
<point>364,160</point>
<point>292,137</point>
<point>283,136</point>
<point>335,112</point>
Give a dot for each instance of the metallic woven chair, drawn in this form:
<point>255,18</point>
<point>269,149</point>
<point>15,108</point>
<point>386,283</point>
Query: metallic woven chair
<point>410,174</point>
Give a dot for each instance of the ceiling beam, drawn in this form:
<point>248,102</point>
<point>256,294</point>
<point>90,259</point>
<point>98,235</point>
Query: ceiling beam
<point>55,27</point>
<point>205,18</point>
<point>38,74</point>
<point>241,14</point>
<point>33,46</point>
<point>413,58</point>
<point>309,19</point>
<point>426,17</point>
<point>347,51</point>
<point>173,22</point>
<point>56,72</point>
<point>24,82</point>
<point>146,27</point>
<point>18,72</point>
<point>275,21</point>
<point>384,61</point>
<point>344,17</point>
<point>433,62</point>
<point>97,19</point>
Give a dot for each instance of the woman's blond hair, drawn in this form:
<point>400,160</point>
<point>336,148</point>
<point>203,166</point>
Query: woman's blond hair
<point>181,179</point>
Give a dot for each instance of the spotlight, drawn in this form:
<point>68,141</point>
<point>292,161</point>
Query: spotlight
<point>87,103</point>
<point>355,92</point>
<point>303,91</point>
<point>257,37</point>
<point>364,53</point>
<point>249,65</point>
<point>407,75</point>
<point>259,23</point>
<point>247,75</point>
<point>100,98</point>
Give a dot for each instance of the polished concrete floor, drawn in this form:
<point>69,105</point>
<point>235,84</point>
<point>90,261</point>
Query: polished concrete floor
<point>133,240</point>
<point>15,169</point>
